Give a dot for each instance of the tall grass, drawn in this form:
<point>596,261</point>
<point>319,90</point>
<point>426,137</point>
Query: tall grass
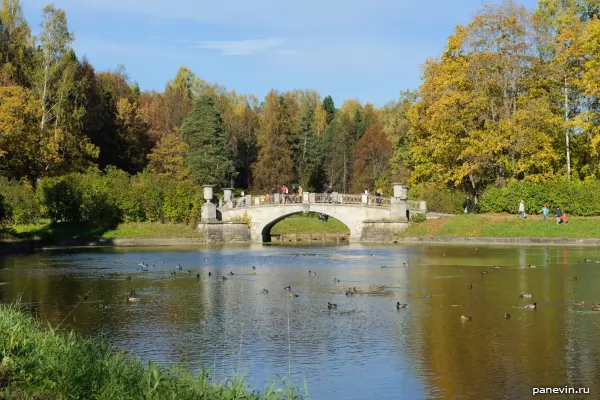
<point>45,364</point>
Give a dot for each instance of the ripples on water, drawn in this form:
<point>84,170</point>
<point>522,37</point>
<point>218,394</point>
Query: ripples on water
<point>365,348</point>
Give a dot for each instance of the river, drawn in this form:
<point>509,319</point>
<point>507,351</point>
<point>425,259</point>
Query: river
<point>365,348</point>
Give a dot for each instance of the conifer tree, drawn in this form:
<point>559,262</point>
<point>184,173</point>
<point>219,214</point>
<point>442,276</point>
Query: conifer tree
<point>202,130</point>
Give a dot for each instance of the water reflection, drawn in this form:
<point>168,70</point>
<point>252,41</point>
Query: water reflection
<point>365,348</point>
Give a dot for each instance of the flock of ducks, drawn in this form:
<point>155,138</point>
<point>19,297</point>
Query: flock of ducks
<point>143,266</point>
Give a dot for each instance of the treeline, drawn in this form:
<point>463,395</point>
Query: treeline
<point>101,198</point>
<point>514,97</point>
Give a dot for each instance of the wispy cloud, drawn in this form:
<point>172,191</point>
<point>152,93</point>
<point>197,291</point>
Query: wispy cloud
<point>241,47</point>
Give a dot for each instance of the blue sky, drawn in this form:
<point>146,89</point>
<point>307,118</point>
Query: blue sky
<point>364,49</point>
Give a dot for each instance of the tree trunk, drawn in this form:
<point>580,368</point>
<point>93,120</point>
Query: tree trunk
<point>567,130</point>
<point>46,67</point>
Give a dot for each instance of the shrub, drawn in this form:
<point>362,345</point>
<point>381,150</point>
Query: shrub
<point>178,202</point>
<point>417,217</point>
<point>77,197</point>
<point>574,197</point>
<point>20,203</point>
<point>61,198</point>
<point>438,200</point>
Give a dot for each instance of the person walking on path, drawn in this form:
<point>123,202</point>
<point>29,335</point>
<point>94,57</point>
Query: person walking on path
<point>468,205</point>
<point>522,209</point>
<point>544,212</point>
<point>558,214</point>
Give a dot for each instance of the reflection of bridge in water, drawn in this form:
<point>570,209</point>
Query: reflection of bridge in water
<point>368,217</point>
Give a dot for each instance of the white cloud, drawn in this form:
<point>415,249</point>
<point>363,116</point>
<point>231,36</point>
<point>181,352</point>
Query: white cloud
<point>241,47</point>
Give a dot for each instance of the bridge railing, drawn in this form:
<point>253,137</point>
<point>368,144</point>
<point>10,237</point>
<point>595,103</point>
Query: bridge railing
<point>416,206</point>
<point>313,198</point>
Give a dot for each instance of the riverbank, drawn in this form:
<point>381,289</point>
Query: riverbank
<point>39,363</point>
<point>501,226</point>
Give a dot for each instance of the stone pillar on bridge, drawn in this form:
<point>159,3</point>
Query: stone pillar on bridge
<point>227,197</point>
<point>305,197</point>
<point>364,198</point>
<point>398,206</point>
<point>209,210</point>
<point>277,198</point>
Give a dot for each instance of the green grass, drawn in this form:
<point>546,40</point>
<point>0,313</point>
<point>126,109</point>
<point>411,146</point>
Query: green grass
<point>495,225</point>
<point>152,230</point>
<point>38,363</point>
<point>67,233</point>
<point>300,223</point>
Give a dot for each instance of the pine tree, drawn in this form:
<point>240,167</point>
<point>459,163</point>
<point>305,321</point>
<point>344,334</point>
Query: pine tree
<point>202,131</point>
<point>329,108</point>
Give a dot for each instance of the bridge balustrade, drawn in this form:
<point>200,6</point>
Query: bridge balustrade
<point>313,198</point>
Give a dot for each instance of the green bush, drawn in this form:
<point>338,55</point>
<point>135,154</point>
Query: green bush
<point>104,198</point>
<point>61,198</point>
<point>438,200</point>
<point>20,203</point>
<point>574,197</point>
<point>77,197</point>
<point>417,217</point>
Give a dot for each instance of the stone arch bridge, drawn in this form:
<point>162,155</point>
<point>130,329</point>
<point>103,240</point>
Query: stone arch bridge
<point>361,213</point>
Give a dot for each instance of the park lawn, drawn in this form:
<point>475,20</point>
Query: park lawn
<point>502,225</point>
<point>132,230</point>
<point>300,224</point>
<point>61,233</point>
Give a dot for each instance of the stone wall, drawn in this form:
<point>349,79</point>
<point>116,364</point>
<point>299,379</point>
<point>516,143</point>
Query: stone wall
<point>225,231</point>
<point>382,231</point>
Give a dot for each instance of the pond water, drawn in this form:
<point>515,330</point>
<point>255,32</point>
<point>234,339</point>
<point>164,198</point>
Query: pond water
<point>364,348</point>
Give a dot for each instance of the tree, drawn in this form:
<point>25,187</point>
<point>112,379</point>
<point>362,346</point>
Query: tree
<point>273,165</point>
<point>202,131</point>
<point>15,43</point>
<point>179,97</point>
<point>132,136</point>
<point>168,157</point>
<point>474,123</point>
<point>371,159</point>
<point>55,41</point>
<point>396,125</point>
<point>329,108</point>
<point>343,138</point>
<point>25,149</point>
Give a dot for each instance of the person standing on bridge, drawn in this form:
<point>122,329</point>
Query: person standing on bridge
<point>328,192</point>
<point>285,194</point>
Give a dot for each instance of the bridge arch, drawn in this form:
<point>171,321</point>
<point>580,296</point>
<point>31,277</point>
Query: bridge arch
<point>263,218</point>
<point>266,230</point>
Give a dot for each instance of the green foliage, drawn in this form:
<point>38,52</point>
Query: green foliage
<point>573,197</point>
<point>20,203</point>
<point>308,223</point>
<point>203,132</point>
<point>2,210</point>
<point>46,364</point>
<point>78,197</point>
<point>243,218</point>
<point>438,200</point>
<point>418,217</point>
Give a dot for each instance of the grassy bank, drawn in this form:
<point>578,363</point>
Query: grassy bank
<point>37,363</point>
<point>502,225</point>
<point>61,233</point>
<point>310,223</point>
